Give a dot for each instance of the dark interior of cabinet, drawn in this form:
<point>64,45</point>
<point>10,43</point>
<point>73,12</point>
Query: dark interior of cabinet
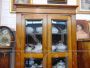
<point>36,62</point>
<point>61,60</point>
<point>61,35</point>
<point>56,37</point>
<point>59,32</point>
<point>35,36</point>
<point>57,1</point>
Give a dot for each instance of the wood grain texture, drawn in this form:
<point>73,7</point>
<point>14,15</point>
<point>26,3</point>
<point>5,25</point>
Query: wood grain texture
<point>83,54</point>
<point>18,42</point>
<point>73,41</point>
<point>4,60</point>
<point>45,6</point>
<point>50,9</point>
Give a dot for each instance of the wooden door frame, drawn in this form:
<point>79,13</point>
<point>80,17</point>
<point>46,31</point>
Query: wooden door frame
<point>61,54</point>
<point>33,55</point>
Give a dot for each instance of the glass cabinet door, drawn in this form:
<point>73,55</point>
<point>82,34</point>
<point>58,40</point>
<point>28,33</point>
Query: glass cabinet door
<point>34,36</point>
<point>47,40</point>
<point>59,35</point>
<point>59,41</point>
<point>33,63</point>
<point>59,62</point>
<point>35,33</point>
<point>35,41</point>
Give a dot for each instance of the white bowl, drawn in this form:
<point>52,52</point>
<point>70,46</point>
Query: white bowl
<point>39,29</point>
<point>28,49</point>
<point>61,47</point>
<point>29,30</point>
<point>54,30</point>
<point>38,48</point>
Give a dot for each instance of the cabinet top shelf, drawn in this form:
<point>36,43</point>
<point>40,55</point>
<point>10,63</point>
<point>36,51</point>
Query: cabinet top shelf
<point>47,5</point>
<point>46,8</point>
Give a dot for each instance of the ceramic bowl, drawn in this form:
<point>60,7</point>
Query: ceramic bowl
<point>61,47</point>
<point>38,48</point>
<point>28,49</point>
<point>54,30</point>
<point>39,29</point>
<point>60,64</point>
<point>29,30</point>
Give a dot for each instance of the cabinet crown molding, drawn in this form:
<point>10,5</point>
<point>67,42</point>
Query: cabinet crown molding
<point>44,8</point>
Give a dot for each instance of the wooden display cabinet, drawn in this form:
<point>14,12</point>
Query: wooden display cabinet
<point>46,36</point>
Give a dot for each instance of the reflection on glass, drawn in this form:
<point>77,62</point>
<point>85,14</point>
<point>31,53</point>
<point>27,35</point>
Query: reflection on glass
<point>59,36</point>
<point>5,37</point>
<point>57,1</point>
<point>33,36</point>
<point>33,63</point>
<point>22,1</point>
<point>59,63</point>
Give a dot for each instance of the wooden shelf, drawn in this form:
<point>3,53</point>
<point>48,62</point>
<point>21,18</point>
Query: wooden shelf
<point>52,34</point>
<point>5,47</point>
<point>44,8</point>
<point>47,5</point>
<point>60,54</point>
<point>33,55</point>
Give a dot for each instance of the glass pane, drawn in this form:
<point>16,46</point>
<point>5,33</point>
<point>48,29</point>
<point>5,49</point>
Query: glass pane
<point>59,36</point>
<point>59,63</point>
<point>5,37</point>
<point>57,1</point>
<point>33,36</point>
<point>22,1</point>
<point>33,63</point>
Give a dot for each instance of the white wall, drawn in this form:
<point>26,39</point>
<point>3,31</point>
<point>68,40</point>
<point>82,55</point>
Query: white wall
<point>0,9</point>
<point>72,2</point>
<point>9,19</point>
<point>83,17</point>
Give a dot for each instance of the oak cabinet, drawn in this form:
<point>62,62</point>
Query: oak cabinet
<point>44,36</point>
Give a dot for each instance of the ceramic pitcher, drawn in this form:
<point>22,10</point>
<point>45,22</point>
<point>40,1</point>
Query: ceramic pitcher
<point>60,64</point>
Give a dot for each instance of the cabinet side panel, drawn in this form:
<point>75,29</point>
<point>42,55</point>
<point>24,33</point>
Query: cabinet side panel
<point>18,43</point>
<point>73,40</point>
